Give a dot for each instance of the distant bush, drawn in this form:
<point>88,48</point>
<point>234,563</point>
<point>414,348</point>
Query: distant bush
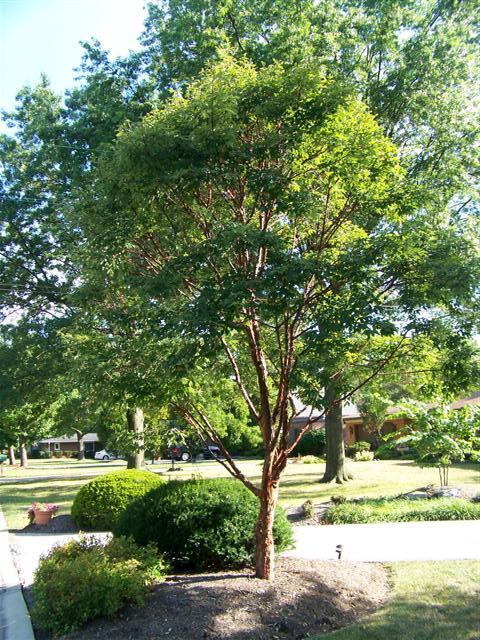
<point>86,579</point>
<point>363,456</point>
<point>99,502</point>
<point>401,510</point>
<point>312,460</point>
<point>312,443</point>
<point>200,524</point>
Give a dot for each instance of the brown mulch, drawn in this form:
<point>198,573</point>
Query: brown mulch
<point>58,524</point>
<point>306,598</point>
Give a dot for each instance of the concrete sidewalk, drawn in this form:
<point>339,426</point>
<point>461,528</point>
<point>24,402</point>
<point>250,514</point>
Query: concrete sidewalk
<point>390,542</point>
<point>14,617</point>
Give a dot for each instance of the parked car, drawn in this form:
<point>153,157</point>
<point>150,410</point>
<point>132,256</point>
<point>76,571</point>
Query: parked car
<point>105,455</point>
<point>178,452</point>
<point>211,452</point>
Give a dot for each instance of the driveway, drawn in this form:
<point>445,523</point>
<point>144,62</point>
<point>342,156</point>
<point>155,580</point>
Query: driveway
<point>390,542</point>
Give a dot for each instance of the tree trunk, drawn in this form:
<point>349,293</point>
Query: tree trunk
<point>136,460</point>
<point>335,447</point>
<point>23,452</point>
<point>264,543</point>
<point>11,454</point>
<point>81,446</point>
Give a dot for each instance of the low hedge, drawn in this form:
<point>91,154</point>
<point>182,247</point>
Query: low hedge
<point>402,510</point>
<point>200,524</point>
<point>99,503</point>
<point>86,579</point>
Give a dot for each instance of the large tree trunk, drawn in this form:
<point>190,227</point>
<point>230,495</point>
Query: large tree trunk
<point>81,446</point>
<point>136,460</point>
<point>23,452</point>
<point>11,454</point>
<point>264,543</point>
<point>335,447</point>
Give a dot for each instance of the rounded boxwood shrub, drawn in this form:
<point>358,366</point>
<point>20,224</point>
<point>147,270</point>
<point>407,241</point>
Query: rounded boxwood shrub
<point>200,524</point>
<point>99,502</point>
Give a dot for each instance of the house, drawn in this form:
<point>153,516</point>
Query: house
<point>354,429</point>
<point>69,444</point>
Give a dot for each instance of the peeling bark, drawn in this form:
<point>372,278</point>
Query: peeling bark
<point>264,542</point>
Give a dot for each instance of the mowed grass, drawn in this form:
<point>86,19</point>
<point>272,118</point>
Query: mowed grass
<point>16,499</point>
<point>376,478</point>
<point>299,481</point>
<point>429,601</point>
<point>64,467</point>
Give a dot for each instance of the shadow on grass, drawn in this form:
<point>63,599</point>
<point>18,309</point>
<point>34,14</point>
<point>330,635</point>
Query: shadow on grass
<point>433,611</point>
<point>16,499</point>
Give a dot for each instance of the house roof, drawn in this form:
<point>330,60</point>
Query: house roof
<point>88,437</point>
<point>351,411</point>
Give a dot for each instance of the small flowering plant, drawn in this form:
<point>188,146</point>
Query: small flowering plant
<point>41,506</point>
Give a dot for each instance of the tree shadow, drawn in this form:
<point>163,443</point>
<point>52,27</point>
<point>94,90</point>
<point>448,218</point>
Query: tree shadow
<point>299,604</point>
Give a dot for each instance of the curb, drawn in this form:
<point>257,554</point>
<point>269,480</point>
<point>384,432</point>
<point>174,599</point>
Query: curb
<point>15,621</point>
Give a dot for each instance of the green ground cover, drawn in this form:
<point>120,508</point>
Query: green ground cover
<point>429,601</point>
<point>300,482</point>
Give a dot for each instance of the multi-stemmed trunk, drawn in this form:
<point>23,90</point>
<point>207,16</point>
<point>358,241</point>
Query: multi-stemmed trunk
<point>335,448</point>
<point>135,421</point>
<point>23,452</point>
<point>264,541</point>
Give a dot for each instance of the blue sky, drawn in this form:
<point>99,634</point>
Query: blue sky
<point>43,36</point>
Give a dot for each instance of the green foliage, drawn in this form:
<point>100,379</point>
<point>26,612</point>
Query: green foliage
<point>363,456</point>
<point>312,443</point>
<point>100,502</point>
<point>308,509</point>
<point>387,452</point>
<point>440,435</point>
<point>312,459</point>
<point>83,580</point>
<point>200,524</point>
<point>402,510</point>
<point>361,445</point>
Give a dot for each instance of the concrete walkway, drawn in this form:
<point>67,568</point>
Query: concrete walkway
<point>14,617</point>
<point>27,548</point>
<point>390,542</point>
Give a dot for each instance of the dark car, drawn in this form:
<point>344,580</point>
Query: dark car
<point>211,452</point>
<point>177,452</point>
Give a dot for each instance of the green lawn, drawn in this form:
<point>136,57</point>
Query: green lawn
<point>299,482</point>
<point>429,601</point>
<point>15,499</point>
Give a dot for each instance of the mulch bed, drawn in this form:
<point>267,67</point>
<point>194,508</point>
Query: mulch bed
<point>58,524</point>
<point>306,598</point>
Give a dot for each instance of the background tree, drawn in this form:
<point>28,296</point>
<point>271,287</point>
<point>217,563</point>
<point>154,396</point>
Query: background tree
<point>440,435</point>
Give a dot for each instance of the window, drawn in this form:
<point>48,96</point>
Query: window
<point>56,446</point>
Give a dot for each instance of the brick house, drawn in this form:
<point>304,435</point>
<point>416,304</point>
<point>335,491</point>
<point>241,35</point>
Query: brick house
<point>69,444</point>
<point>354,429</point>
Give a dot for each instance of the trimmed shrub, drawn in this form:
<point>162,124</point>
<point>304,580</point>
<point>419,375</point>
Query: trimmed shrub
<point>401,510</point>
<point>311,444</point>
<point>86,579</point>
<point>312,460</point>
<point>99,503</point>
<point>200,524</point>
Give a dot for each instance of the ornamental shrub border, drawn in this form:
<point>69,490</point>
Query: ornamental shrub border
<point>402,510</point>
